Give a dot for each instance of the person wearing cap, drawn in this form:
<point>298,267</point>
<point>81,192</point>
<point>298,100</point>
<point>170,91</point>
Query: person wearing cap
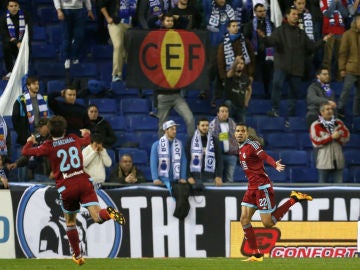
<point>203,157</point>
<point>167,158</point>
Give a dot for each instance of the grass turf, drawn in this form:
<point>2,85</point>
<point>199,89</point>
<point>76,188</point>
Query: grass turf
<point>182,263</point>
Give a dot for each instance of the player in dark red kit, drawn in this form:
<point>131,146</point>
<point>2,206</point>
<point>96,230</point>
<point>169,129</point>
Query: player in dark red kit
<point>260,193</point>
<point>73,184</point>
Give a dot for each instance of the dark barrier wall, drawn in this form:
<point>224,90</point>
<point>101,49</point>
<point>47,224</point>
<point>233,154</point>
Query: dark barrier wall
<point>152,230</point>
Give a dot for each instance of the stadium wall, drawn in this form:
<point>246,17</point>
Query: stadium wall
<point>324,227</point>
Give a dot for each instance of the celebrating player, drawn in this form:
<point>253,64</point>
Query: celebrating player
<point>73,184</point>
<point>260,193</point>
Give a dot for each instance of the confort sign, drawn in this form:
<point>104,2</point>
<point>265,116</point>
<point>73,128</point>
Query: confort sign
<point>292,239</point>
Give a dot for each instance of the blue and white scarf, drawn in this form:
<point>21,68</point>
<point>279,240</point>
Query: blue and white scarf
<point>164,158</point>
<point>197,153</point>
<point>326,88</point>
<point>219,15</point>
<point>329,125</point>
<point>269,51</point>
<point>3,135</point>
<point>306,24</point>
<point>127,8</point>
<point>11,26</point>
<point>43,109</point>
<point>228,50</point>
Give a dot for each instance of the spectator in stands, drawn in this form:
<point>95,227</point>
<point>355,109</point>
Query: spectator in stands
<point>150,12</point>
<point>126,172</point>
<point>28,109</point>
<point>305,23</point>
<point>119,19</point>
<point>98,125</point>
<point>73,20</point>
<point>75,114</point>
<point>328,135</point>
<point>12,30</point>
<point>234,45</point>
<point>319,92</point>
<point>353,6</point>
<point>168,21</point>
<point>168,162</point>
<point>37,168</point>
<point>204,157</point>
<point>291,46</point>
<point>217,16</point>
<point>191,15</point>
<point>264,57</point>
<point>223,128</point>
<point>349,67</point>
<point>238,90</point>
<point>334,15</point>
<point>3,173</point>
<point>96,159</point>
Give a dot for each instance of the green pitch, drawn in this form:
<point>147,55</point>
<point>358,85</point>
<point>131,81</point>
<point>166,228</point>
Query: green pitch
<point>183,264</point>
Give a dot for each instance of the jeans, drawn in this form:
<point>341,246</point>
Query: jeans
<point>326,175</point>
<point>349,81</point>
<point>176,101</point>
<point>229,167</point>
<point>278,83</point>
<point>73,32</point>
<point>236,113</point>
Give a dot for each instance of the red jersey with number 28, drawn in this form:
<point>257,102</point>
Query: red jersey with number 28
<point>252,158</point>
<point>64,154</point>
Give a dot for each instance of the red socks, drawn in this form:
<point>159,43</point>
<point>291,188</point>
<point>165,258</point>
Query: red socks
<point>73,236</point>
<point>250,236</point>
<point>282,210</point>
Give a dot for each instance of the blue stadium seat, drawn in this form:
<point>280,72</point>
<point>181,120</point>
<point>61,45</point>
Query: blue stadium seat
<point>139,156</point>
<point>43,51</point>
<point>275,176</point>
<point>112,155</point>
<point>147,139</point>
<point>38,34</point>
<point>88,70</point>
<point>354,142</point>
<point>259,106</point>
<point>273,154</point>
<point>297,124</point>
<point>105,105</point>
<point>55,34</point>
<point>183,137</point>
<point>257,90</point>
<point>239,175</point>
<point>105,72</point>
<point>192,94</point>
<point>102,52</point>
<point>119,89</point>
<point>49,70</point>
<point>305,141</point>
<point>134,106</point>
<point>126,139</point>
<point>47,15</point>
<point>356,124</point>
<point>267,124</point>
<point>146,172</point>
<point>55,86</point>
<point>281,141</point>
<point>142,123</point>
<point>294,158</point>
<point>303,175</point>
<point>117,122</point>
<point>356,175</point>
<point>199,106</point>
<point>300,107</point>
<point>352,158</point>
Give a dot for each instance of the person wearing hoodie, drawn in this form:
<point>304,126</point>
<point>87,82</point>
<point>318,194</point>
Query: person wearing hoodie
<point>100,126</point>
<point>349,66</point>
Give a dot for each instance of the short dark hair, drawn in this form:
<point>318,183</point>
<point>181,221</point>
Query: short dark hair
<point>16,1</point>
<point>92,105</point>
<point>202,119</point>
<point>222,105</point>
<point>167,14</point>
<point>31,79</point>
<point>57,126</point>
<point>97,138</point>
<point>43,122</point>
<point>230,22</point>
<point>320,69</point>
<point>258,5</point>
<point>288,10</point>
<point>243,124</point>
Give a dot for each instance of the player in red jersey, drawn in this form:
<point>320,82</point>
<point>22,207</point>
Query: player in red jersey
<point>73,184</point>
<point>260,193</point>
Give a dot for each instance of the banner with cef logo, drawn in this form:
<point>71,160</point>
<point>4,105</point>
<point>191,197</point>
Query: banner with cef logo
<point>167,59</point>
<point>314,239</point>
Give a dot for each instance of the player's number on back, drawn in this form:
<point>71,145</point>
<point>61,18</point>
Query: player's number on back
<point>74,159</point>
